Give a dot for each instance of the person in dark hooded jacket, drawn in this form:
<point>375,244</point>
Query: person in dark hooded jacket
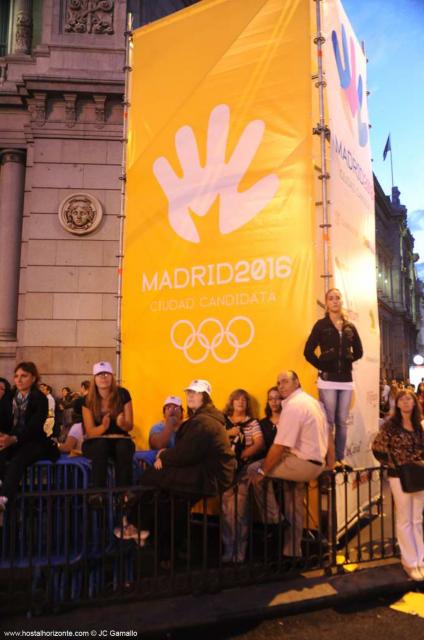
<point>6,402</point>
<point>201,464</point>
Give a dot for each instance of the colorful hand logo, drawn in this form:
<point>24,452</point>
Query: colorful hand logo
<point>199,187</point>
<point>354,89</point>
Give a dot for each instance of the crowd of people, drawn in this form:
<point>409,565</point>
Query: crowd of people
<point>225,453</point>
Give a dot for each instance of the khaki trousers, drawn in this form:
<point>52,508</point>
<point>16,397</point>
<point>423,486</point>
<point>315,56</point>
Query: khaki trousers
<point>298,471</point>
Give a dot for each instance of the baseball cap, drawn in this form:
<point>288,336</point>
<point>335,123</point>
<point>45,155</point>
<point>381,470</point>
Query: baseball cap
<point>102,367</point>
<point>199,386</point>
<point>173,400</point>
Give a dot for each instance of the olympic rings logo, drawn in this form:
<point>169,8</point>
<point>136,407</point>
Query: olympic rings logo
<point>210,346</point>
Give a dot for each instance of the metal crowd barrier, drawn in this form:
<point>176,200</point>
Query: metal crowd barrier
<point>57,550</point>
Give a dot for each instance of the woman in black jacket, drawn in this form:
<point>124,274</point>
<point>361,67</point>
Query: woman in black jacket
<point>340,345</point>
<point>27,441</point>
<point>200,464</point>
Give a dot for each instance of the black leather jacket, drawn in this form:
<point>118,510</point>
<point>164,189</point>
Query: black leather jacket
<point>336,353</point>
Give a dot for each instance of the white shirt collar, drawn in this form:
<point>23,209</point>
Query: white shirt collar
<point>292,395</point>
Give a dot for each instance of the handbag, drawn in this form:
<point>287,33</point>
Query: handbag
<point>411,476</point>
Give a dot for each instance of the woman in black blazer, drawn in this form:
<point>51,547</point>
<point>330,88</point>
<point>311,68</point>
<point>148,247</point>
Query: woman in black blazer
<point>27,442</point>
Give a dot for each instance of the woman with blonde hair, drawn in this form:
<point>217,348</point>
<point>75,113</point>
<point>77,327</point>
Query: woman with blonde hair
<point>108,419</point>
<point>401,441</point>
<point>340,345</point>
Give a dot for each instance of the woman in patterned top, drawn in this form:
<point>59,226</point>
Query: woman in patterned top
<point>401,440</point>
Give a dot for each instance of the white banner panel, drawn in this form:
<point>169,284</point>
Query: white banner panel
<point>352,234</point>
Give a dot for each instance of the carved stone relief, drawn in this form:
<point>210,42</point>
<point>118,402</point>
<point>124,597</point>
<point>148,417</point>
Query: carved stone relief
<point>99,108</point>
<point>80,213</point>
<point>70,109</point>
<point>23,34</point>
<point>38,108</point>
<point>89,16</point>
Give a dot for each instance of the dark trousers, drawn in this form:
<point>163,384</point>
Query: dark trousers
<point>13,462</point>
<point>120,450</point>
<point>165,515</point>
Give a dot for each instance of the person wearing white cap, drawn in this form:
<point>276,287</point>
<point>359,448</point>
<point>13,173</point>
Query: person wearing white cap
<point>200,464</point>
<point>162,434</point>
<point>108,419</point>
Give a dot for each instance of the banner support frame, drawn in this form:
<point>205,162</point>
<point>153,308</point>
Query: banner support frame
<point>123,178</point>
<point>324,132</point>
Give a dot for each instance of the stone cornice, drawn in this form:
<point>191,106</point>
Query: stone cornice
<point>33,86</point>
<point>60,84</point>
<point>9,98</point>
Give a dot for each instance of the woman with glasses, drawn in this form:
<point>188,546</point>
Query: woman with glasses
<point>108,419</point>
<point>269,423</point>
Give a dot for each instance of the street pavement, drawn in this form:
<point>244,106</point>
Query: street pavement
<point>195,617</point>
<point>351,621</point>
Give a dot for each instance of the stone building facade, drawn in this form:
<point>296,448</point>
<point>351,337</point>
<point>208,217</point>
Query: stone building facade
<point>61,127</point>
<point>61,115</point>
<point>398,289</point>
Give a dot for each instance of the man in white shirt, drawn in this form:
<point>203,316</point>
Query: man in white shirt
<point>385,391</point>
<point>298,452</point>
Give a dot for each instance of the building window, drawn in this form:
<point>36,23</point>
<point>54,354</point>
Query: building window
<point>5,30</point>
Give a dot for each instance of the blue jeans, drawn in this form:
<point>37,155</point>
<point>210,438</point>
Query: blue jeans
<point>337,404</point>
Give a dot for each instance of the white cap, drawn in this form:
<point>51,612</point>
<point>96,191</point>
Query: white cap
<point>199,386</point>
<point>102,367</point>
<point>173,400</point>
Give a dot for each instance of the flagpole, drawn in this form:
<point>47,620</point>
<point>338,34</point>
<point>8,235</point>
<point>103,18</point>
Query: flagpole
<point>391,163</point>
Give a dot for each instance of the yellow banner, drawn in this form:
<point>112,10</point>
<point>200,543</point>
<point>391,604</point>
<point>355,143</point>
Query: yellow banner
<point>219,240</point>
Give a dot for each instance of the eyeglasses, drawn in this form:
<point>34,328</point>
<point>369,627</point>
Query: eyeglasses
<point>103,373</point>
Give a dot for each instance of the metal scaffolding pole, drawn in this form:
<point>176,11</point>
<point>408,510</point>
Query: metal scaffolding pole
<point>323,131</point>
<point>123,178</point>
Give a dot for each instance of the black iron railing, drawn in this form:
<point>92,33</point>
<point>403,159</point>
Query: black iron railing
<point>61,546</point>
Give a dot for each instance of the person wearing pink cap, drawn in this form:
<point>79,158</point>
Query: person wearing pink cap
<point>108,419</point>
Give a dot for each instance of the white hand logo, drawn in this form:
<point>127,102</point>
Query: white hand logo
<point>197,190</point>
